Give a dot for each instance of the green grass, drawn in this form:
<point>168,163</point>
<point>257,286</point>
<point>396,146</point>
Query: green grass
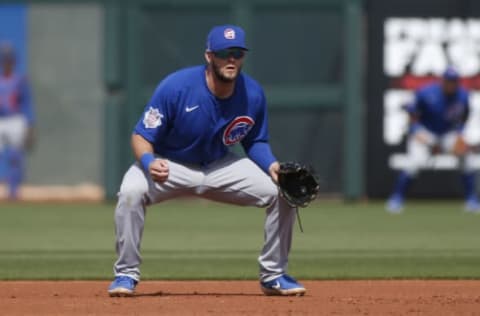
<point>197,239</point>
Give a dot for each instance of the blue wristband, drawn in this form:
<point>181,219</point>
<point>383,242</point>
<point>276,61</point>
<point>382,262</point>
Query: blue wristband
<point>146,160</point>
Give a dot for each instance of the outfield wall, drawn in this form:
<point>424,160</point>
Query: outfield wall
<point>65,68</point>
<point>94,64</point>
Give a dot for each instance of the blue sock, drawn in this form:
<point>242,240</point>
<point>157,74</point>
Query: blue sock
<point>468,181</point>
<point>403,183</point>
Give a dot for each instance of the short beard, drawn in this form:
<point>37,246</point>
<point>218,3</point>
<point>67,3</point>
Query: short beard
<point>218,75</point>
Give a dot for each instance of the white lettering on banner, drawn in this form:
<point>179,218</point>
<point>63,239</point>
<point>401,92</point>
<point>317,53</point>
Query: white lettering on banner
<point>422,42</point>
<point>395,119</point>
<point>430,59</point>
<point>397,56</point>
<point>464,54</point>
<point>417,51</point>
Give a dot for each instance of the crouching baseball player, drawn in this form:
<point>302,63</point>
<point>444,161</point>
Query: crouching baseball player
<point>438,115</point>
<point>182,145</point>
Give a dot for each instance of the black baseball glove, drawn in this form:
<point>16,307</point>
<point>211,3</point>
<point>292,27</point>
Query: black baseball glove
<point>298,183</point>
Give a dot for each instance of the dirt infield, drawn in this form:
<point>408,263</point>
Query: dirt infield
<point>242,298</point>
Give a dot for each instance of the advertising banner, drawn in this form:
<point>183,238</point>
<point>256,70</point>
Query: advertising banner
<point>409,47</point>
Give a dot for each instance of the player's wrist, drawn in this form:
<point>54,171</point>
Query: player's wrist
<point>274,166</point>
<point>146,159</point>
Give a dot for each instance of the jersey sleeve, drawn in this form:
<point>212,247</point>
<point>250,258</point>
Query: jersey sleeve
<point>463,120</point>
<point>414,110</point>
<point>416,106</point>
<point>259,131</point>
<point>256,143</point>
<point>154,121</point>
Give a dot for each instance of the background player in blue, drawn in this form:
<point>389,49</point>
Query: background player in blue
<point>16,120</point>
<point>182,146</point>
<point>438,115</point>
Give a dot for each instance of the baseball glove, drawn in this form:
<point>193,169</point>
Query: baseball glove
<point>297,183</point>
<point>460,147</point>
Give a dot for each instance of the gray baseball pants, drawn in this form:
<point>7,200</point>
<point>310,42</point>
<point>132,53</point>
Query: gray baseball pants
<point>231,180</point>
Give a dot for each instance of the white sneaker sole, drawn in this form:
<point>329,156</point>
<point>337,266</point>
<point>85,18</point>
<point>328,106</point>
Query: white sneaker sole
<point>120,292</point>
<point>299,291</point>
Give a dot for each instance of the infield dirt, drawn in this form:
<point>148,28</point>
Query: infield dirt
<point>386,297</point>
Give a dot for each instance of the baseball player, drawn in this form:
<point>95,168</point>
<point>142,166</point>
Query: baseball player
<point>182,143</point>
<point>16,120</point>
<point>438,115</point>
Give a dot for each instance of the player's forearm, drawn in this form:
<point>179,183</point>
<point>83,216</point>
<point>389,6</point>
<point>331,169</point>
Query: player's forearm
<point>140,146</point>
<point>143,150</point>
<point>461,125</point>
<point>261,154</point>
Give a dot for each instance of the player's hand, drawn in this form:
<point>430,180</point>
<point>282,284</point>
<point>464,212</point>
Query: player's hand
<point>273,171</point>
<point>460,147</point>
<point>424,137</point>
<point>435,149</point>
<point>159,170</point>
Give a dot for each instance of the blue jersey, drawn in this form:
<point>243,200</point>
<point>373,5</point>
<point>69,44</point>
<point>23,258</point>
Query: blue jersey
<point>15,97</point>
<point>438,112</point>
<point>185,122</point>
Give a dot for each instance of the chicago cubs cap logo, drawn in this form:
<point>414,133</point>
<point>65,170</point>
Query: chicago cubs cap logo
<point>152,118</point>
<point>225,36</point>
<point>237,129</point>
<point>229,33</point>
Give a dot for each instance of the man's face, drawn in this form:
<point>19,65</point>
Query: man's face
<point>7,64</point>
<point>226,64</point>
<point>449,86</point>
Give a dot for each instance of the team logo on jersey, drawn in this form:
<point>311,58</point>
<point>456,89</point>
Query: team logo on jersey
<point>229,34</point>
<point>237,129</point>
<point>152,118</point>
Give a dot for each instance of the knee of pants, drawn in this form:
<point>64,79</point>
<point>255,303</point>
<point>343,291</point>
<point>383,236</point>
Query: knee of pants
<point>269,193</point>
<point>132,196</point>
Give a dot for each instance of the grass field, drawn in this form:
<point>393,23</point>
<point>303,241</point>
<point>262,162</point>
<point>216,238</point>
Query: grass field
<point>196,239</point>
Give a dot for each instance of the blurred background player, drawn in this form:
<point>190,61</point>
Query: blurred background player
<point>16,120</point>
<point>438,115</point>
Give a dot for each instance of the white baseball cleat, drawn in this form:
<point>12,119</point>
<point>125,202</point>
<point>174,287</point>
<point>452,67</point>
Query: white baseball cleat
<point>395,204</point>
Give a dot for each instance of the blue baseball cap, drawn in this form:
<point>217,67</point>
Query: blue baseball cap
<point>451,74</point>
<point>225,36</point>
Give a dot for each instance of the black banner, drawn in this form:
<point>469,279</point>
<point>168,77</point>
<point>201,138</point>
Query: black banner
<point>410,43</point>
